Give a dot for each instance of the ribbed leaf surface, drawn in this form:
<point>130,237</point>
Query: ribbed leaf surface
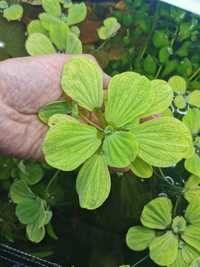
<point>129,96</point>
<point>82,79</point>
<point>68,144</point>
<point>164,141</point>
<point>192,236</point>
<point>93,182</point>
<point>120,149</point>
<point>157,214</point>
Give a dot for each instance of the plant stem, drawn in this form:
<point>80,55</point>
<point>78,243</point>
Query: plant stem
<point>194,74</point>
<point>52,180</point>
<point>140,261</point>
<point>91,123</point>
<point>178,201</point>
<point>101,46</point>
<point>159,71</point>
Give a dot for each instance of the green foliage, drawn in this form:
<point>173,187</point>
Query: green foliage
<point>13,12</point>
<point>55,31</point>
<point>163,234</point>
<point>109,29</point>
<point>117,134</point>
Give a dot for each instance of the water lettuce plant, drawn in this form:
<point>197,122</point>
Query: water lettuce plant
<point>108,131</point>
<point>173,241</point>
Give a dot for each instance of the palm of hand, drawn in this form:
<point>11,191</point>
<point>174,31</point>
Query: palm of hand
<point>26,84</point>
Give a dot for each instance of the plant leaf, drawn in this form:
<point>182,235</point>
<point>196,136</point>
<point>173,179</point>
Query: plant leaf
<point>29,211</point>
<point>164,249</point>
<point>13,12</point>
<point>48,20</point>
<point>194,98</point>
<point>192,213</point>
<point>192,188</point>
<point>141,169</point>
<point>191,236</point>
<point>157,214</point>
<point>163,97</point>
<point>39,44</point>
<point>196,263</point>
<point>33,173</point>
<point>52,7</point>
<point>193,164</point>
<point>35,26</point>
<point>189,253</point>
<point>129,96</point>
<point>163,141</point>
<point>192,120</point>
<point>73,44</point>
<point>109,29</point>
<point>20,192</point>
<point>93,182</point>
<point>57,107</point>
<point>58,32</point>
<point>68,144</point>
<point>82,80</point>
<point>139,238</point>
<point>76,13</point>
<point>178,84</point>
<point>34,233</point>
<point>179,262</point>
<point>120,149</point>
<point>179,102</point>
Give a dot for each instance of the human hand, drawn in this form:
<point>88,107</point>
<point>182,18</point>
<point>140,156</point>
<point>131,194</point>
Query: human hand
<point>26,84</point>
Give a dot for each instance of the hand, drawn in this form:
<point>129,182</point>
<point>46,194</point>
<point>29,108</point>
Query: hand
<point>26,84</point>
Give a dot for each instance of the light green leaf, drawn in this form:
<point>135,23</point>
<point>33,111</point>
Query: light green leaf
<point>52,7</point>
<point>73,44</point>
<point>57,107</point>
<point>194,98</point>
<point>120,149</point>
<point>141,169</point>
<point>48,20</point>
<point>179,262</point>
<point>192,120</point>
<point>61,118</point>
<point>193,164</point>
<point>39,44</point>
<point>196,263</point>
<point>93,182</point>
<point>178,224</point>
<point>20,192</point>
<point>32,174</point>
<point>192,213</point>
<point>139,238</point>
<point>68,144</point>
<point>163,141</point>
<point>189,253</point>
<point>34,233</point>
<point>157,214</point>
<point>164,249</point>
<point>178,84</point>
<point>192,236</point>
<point>29,211</point>
<point>180,101</point>
<point>129,96</point>
<point>163,97</point>
<point>192,188</point>
<point>76,13</point>
<point>35,26</point>
<point>13,12</point>
<point>82,79</point>
<point>58,34</point>
<point>109,29</point>
<point>3,4</point>
<point>75,30</point>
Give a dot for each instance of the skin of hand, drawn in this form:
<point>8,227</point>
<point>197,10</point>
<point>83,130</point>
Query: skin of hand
<point>26,84</point>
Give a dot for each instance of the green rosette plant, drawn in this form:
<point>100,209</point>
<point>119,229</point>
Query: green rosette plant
<point>172,241</point>
<point>107,131</point>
